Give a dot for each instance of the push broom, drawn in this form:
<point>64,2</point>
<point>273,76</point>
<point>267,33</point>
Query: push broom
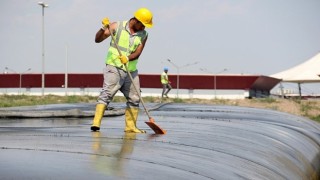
<point>151,123</point>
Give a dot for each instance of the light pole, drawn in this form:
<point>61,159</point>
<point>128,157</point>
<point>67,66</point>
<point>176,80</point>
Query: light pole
<point>43,5</point>
<point>20,78</point>
<point>6,69</point>
<point>66,73</point>
<point>178,72</point>
<point>281,90</point>
<point>215,78</point>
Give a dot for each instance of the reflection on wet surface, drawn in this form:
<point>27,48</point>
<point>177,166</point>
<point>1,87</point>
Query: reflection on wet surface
<point>202,142</point>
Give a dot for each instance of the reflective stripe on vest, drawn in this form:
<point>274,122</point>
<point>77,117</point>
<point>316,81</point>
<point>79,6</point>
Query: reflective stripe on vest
<point>127,45</point>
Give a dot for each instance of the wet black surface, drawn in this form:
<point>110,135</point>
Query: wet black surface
<point>202,142</point>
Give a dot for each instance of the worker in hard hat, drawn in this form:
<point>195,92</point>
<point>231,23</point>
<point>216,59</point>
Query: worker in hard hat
<point>166,84</point>
<point>131,38</point>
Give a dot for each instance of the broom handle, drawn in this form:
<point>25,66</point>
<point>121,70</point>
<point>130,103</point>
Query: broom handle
<point>126,66</point>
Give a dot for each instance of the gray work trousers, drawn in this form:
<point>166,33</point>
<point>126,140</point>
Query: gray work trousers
<point>117,79</point>
<point>164,88</point>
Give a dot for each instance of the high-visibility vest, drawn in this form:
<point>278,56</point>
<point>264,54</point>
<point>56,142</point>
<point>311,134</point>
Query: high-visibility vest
<point>127,44</point>
<point>164,78</point>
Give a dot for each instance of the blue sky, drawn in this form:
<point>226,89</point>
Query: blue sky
<point>245,36</point>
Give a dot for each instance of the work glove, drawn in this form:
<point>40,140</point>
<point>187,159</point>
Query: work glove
<point>124,59</point>
<point>105,23</point>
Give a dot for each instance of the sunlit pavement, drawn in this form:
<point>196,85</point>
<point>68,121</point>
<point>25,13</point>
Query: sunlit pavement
<point>202,142</point>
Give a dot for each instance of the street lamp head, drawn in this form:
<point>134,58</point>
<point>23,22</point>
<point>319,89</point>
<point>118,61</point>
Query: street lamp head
<point>5,70</point>
<point>43,4</point>
<point>29,69</point>
<point>169,60</point>
<point>205,70</point>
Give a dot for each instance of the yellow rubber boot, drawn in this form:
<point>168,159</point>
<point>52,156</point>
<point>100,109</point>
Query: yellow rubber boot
<point>100,108</point>
<point>131,116</point>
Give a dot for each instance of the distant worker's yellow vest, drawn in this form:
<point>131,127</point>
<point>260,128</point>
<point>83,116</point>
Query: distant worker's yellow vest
<point>164,78</point>
<point>127,44</point>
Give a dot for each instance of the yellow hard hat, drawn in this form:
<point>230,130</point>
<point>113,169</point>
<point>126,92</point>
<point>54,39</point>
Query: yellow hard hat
<point>144,16</point>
